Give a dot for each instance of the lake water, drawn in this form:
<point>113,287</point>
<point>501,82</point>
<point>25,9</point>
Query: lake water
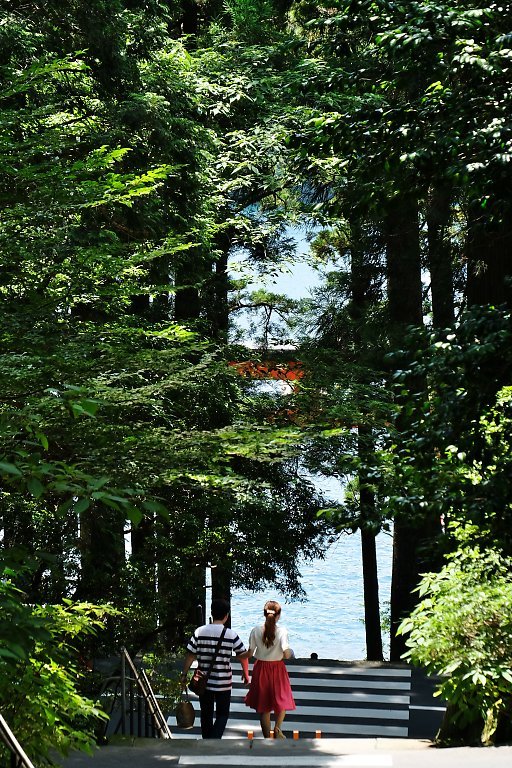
<point>330,621</point>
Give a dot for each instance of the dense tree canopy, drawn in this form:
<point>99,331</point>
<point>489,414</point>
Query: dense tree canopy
<point>146,147</point>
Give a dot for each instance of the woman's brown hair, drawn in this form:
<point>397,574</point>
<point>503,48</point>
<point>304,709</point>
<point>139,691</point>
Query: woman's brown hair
<point>271,611</point>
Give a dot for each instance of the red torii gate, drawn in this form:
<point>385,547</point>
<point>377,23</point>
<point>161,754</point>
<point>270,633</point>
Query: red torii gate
<point>289,370</point>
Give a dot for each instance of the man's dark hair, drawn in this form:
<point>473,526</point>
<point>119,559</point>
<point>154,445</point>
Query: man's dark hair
<point>220,608</point>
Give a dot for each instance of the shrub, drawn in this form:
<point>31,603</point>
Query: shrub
<point>462,630</point>
<point>40,673</point>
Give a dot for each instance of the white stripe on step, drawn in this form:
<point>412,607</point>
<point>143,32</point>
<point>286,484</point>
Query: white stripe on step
<point>354,696</point>
<point>332,682</point>
<point>322,761</point>
<point>350,671</point>
<point>336,712</point>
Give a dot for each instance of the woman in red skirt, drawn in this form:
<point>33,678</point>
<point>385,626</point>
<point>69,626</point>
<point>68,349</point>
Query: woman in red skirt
<point>270,689</point>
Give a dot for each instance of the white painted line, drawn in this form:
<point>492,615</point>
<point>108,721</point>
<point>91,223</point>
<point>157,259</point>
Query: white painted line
<point>320,713</point>
<point>429,709</point>
<point>309,682</point>
<point>353,697</point>
<point>351,671</point>
<point>323,761</point>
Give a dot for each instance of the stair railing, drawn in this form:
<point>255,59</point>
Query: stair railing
<point>140,712</point>
<point>18,757</point>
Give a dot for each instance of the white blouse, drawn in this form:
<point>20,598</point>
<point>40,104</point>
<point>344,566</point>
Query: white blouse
<point>275,652</point>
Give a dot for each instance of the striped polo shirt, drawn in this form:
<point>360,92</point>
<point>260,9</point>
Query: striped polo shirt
<point>203,643</point>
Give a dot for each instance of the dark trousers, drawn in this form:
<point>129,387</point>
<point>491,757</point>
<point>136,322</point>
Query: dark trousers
<point>218,701</point>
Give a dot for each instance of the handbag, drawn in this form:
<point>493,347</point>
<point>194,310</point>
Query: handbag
<point>185,714</point>
<point>199,679</point>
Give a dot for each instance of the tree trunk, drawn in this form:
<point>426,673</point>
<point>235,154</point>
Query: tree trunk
<point>221,584</point>
<point>139,304</point>
<point>187,303</point>
<point>102,555</point>
<point>216,295</point>
<point>181,589</point>
<point>405,308</point>
<point>360,289</point>
<point>404,286</point>
<point>440,257</point>
<point>143,559</point>
<point>18,526</point>
<point>218,314</point>
<point>190,17</point>
<point>372,623</point>
<point>489,257</point>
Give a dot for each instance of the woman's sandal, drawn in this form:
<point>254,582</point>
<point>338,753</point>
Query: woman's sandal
<point>278,734</point>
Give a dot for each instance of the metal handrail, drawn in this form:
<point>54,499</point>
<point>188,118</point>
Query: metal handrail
<point>19,759</point>
<point>147,692</point>
<point>139,707</point>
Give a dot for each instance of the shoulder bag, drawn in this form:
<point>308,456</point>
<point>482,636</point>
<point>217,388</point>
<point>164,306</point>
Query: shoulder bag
<point>184,712</point>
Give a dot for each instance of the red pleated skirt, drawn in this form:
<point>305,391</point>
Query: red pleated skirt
<point>270,689</point>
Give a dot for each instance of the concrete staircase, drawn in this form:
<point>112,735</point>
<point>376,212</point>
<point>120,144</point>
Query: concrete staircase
<point>341,699</point>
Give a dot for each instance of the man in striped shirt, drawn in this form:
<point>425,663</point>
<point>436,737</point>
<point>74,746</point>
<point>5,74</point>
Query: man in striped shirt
<point>201,646</point>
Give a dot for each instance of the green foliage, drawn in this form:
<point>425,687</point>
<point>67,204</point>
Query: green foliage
<point>114,413</point>
<point>40,672</point>
<point>19,628</point>
<point>402,72</point>
<point>462,631</point>
<point>164,674</point>
<point>251,19</point>
<point>453,461</point>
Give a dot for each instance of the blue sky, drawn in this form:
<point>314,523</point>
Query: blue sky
<point>296,283</point>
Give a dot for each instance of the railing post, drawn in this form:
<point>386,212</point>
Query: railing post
<point>140,713</point>
<point>131,706</point>
<point>123,692</point>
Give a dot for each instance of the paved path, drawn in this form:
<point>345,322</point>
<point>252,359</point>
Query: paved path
<point>305,753</point>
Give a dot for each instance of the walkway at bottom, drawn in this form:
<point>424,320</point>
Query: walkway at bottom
<point>304,753</point>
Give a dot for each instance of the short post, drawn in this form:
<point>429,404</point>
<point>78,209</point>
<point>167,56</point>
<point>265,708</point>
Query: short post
<point>123,693</point>
<point>132,704</point>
